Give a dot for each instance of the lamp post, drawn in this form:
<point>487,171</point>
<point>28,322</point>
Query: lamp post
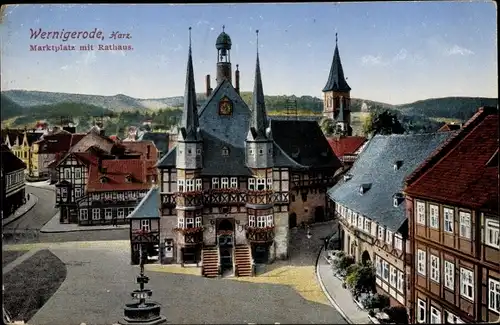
<point>144,312</point>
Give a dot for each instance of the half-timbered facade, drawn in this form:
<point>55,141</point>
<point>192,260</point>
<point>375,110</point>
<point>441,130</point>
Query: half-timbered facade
<point>114,188</point>
<point>371,208</point>
<point>454,228</point>
<point>12,181</point>
<point>236,181</point>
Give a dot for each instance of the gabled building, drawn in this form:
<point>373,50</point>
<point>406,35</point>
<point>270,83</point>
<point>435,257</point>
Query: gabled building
<point>236,181</point>
<point>160,139</point>
<point>347,149</point>
<point>452,204</point>
<point>12,181</point>
<point>370,205</point>
<point>20,142</point>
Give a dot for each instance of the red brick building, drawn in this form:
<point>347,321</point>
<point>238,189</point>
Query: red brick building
<point>452,206</point>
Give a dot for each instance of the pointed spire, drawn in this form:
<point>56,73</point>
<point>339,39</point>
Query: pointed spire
<point>258,120</point>
<point>336,80</point>
<point>189,120</point>
<point>223,28</point>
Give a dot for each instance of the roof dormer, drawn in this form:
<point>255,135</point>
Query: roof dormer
<point>128,178</point>
<point>363,188</point>
<point>397,199</point>
<point>347,177</point>
<point>398,164</point>
<point>104,180</point>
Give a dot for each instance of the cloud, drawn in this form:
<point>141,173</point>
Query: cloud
<point>373,60</point>
<point>64,67</point>
<point>457,50</point>
<point>402,55</point>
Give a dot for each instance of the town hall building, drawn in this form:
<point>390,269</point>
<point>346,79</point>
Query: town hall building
<point>237,181</point>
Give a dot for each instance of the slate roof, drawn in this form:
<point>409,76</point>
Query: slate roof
<point>336,80</point>
<point>33,137</point>
<point>345,145</point>
<point>9,160</point>
<point>160,139</point>
<point>116,173</point>
<point>375,168</point>
<point>463,172</point>
<point>148,207</point>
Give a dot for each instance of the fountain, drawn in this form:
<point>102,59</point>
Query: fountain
<point>142,312</point>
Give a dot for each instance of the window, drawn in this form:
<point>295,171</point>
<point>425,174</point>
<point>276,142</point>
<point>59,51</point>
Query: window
<point>435,268</point>
<point>78,173</point>
<point>269,183</point>
<point>394,276</point>
<point>199,184</point>
<point>261,184</point>
<point>108,196</point>
<point>198,152</point>
<point>421,311</point>
<point>64,192</point>
<point>434,216</point>
<point>67,173</point>
<point>108,213</point>
<point>215,182</point>
<point>120,213</point>
<point>448,220</point>
<point>224,182</point>
<point>385,269</point>
<point>378,266</point>
<point>398,242</point>
<point>367,225</point>
<point>421,213</point>
<point>225,151</point>
<point>435,316</point>
<point>421,262</point>
<point>96,214</point>
<point>401,281</point>
<point>189,185</point>
<point>270,220</point>
<point>251,184</point>
<point>452,319</point>
<point>129,210</point>
<point>120,196</point>
<point>234,182</point>
<point>360,222</point>
<point>380,232</point>
<point>261,152</point>
<point>388,238</point>
<point>78,192</point>
<point>95,196</point>
<point>467,283</point>
<point>180,222</point>
<point>198,222</point>
<point>180,185</point>
<point>189,222</point>
<point>449,275</point>
<point>251,221</point>
<point>145,224</point>
<point>465,226</point>
<point>261,221</point>
<point>492,233</point>
<point>494,295</point>
<point>84,214</point>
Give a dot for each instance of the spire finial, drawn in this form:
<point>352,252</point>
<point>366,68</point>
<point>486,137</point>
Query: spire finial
<point>189,37</point>
<point>257,33</point>
<point>223,27</point>
<point>237,66</point>
<point>336,39</point>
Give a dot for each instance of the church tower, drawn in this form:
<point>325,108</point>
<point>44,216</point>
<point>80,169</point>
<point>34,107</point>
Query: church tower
<point>223,45</point>
<point>189,142</point>
<point>259,143</point>
<point>337,94</point>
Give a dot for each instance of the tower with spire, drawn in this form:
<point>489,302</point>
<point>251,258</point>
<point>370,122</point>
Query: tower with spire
<point>259,143</point>
<point>337,95</point>
<point>189,142</point>
<point>223,45</point>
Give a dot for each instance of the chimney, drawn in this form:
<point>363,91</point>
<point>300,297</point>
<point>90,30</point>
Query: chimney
<point>237,79</point>
<point>102,132</point>
<point>208,91</point>
<point>148,155</point>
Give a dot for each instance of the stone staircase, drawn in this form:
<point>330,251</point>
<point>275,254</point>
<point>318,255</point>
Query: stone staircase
<point>210,260</point>
<point>243,260</point>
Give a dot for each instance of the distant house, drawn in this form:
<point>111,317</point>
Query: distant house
<point>371,207</point>
<point>160,139</point>
<point>12,181</point>
<point>346,148</point>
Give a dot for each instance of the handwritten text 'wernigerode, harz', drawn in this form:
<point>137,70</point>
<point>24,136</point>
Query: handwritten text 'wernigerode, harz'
<point>65,36</point>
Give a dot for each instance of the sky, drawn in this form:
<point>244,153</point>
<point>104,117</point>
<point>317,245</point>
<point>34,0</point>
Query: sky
<point>396,52</point>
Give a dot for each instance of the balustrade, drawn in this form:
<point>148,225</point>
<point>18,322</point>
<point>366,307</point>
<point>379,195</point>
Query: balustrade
<point>260,235</point>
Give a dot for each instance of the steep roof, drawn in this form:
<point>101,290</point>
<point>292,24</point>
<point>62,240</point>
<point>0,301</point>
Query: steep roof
<point>258,116</point>
<point>374,169</point>
<point>33,137</point>
<point>54,143</point>
<point>142,147</point>
<point>464,172</point>
<point>336,80</point>
<point>116,173</point>
<point>345,145</point>
<point>148,207</point>
<point>304,142</point>
<point>9,160</point>
<point>160,139</point>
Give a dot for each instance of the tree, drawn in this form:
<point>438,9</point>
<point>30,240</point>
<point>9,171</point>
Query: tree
<point>386,123</point>
<point>328,126</point>
<point>367,124</point>
<point>360,279</point>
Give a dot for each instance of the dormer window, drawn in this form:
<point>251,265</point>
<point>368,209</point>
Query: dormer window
<point>198,152</point>
<point>398,164</point>
<point>128,179</point>
<point>104,180</point>
<point>347,177</point>
<point>363,188</point>
<point>397,199</point>
<point>225,151</point>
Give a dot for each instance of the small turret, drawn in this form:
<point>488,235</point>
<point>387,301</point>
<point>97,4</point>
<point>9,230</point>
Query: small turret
<point>223,45</point>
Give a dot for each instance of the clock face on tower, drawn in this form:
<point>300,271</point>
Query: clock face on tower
<point>225,106</point>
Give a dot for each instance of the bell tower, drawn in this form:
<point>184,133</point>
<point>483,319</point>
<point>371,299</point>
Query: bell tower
<point>337,93</point>
<point>223,45</point>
